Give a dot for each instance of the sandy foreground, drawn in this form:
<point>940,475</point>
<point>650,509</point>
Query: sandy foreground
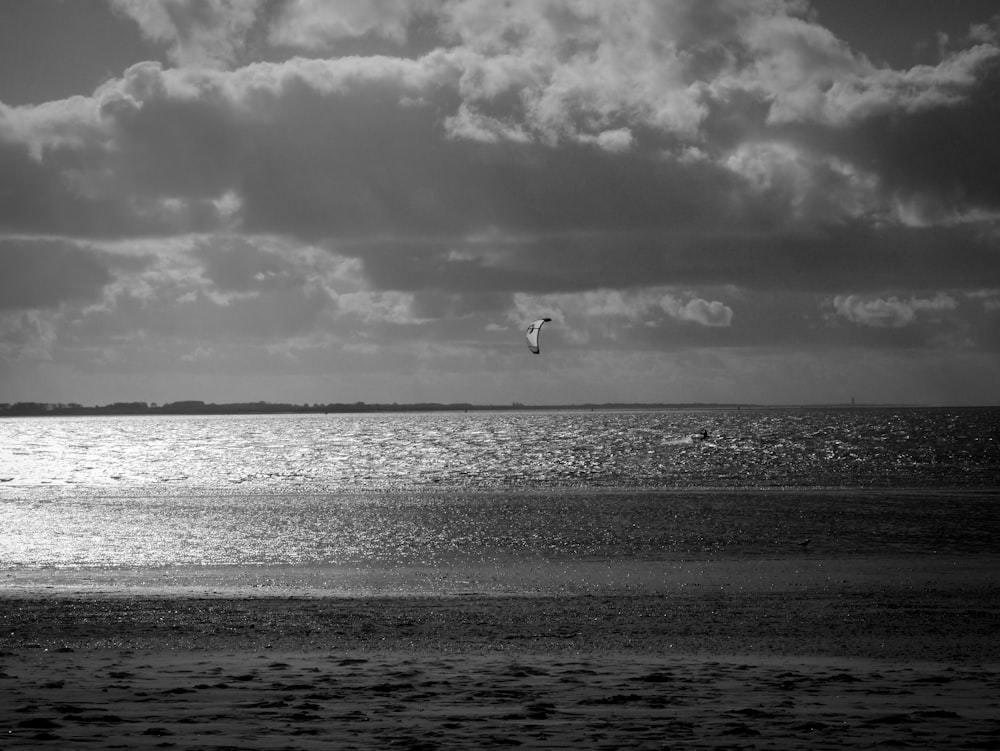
<point>771,655</point>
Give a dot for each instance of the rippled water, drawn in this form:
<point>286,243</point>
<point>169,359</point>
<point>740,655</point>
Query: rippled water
<point>745,448</point>
<point>433,487</point>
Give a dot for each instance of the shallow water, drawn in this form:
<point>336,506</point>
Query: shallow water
<point>453,528</point>
<point>453,488</point>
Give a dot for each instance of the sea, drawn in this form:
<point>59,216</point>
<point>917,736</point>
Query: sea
<point>452,488</point>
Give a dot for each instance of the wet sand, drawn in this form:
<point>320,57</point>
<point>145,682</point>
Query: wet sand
<point>828,655</point>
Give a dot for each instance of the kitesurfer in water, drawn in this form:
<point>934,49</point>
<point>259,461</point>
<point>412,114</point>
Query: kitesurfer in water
<point>703,436</point>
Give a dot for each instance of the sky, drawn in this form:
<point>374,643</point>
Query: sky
<point>308,201</point>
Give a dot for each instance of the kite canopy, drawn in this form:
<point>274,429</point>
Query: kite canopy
<point>533,331</point>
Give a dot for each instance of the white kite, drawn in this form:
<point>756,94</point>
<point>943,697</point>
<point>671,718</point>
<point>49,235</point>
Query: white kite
<point>533,330</point>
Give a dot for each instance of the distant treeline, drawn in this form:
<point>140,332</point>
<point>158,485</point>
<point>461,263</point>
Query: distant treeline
<point>207,408</point>
<point>35,409</point>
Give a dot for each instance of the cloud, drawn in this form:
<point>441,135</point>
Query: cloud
<point>617,316</point>
<point>890,312</point>
<point>27,335</point>
<point>321,25</point>
<point>698,311</point>
<point>202,33</point>
<point>990,299</point>
<point>825,259</point>
<point>153,298</point>
<point>941,160</point>
<point>986,33</point>
<point>358,150</point>
<point>234,264</point>
<point>48,273</point>
<point>539,117</point>
<point>572,71</point>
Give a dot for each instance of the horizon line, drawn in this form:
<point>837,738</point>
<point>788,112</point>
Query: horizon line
<point>195,406</point>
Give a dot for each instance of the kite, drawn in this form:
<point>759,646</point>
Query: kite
<point>533,331</point>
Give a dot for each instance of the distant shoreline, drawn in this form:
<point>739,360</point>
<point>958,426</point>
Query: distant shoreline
<point>41,409</point>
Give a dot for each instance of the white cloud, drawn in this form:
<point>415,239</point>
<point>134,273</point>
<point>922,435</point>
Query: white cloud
<point>811,186</point>
<point>882,91</point>
<point>576,70</point>
<point>70,123</point>
<point>200,354</point>
<point>807,75</point>
<point>795,64</point>
<point>890,312</point>
<point>773,167</point>
<point>470,124</point>
<point>197,33</point>
<point>697,310</point>
<point>618,141</point>
<point>321,24</point>
<point>613,307</point>
<point>379,307</point>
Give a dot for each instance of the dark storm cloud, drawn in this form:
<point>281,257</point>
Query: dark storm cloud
<point>347,163</point>
<point>948,155</point>
<point>61,193</point>
<point>171,145</point>
<point>439,147</point>
<point>48,273</point>
<point>370,168</point>
<point>35,198</point>
<point>857,256</point>
<point>132,160</point>
<point>952,153</point>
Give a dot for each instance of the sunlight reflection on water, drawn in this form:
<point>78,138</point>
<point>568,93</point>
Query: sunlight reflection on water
<point>748,448</point>
<point>447,487</point>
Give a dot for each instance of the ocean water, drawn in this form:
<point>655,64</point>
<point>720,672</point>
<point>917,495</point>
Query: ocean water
<point>452,487</point>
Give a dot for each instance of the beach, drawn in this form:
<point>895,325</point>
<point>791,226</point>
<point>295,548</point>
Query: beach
<point>792,653</point>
